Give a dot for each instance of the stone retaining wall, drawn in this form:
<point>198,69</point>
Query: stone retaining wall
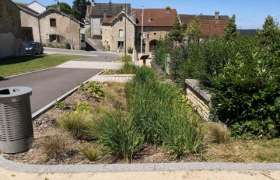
<point>200,98</point>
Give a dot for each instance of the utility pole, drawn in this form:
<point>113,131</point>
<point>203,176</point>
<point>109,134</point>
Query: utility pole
<point>125,30</point>
<point>142,30</point>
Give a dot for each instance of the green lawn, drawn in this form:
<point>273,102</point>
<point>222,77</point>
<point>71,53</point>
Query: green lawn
<point>18,65</point>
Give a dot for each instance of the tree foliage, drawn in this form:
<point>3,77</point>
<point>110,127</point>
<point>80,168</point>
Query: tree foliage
<point>230,29</point>
<point>177,32</point>
<point>64,7</point>
<point>194,30</point>
<point>79,9</point>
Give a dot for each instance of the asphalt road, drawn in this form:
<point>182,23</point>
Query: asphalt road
<point>48,85</point>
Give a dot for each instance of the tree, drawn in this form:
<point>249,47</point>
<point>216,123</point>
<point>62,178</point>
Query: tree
<point>64,7</point>
<point>79,9</point>
<point>270,34</point>
<point>176,33</point>
<point>230,29</point>
<point>194,30</point>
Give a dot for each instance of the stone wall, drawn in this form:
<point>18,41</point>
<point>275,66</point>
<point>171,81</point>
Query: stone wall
<point>28,20</point>
<point>110,34</point>
<point>200,98</point>
<point>66,28</point>
<point>10,18</point>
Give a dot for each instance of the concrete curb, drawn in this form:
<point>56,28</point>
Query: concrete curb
<point>61,98</point>
<point>197,166</point>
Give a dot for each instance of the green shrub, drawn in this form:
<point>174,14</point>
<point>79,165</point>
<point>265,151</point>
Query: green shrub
<point>62,105</point>
<point>77,123</point>
<point>118,136</point>
<point>82,87</point>
<point>107,72</point>
<point>67,46</point>
<point>96,90</point>
<point>127,68</point>
<point>82,107</point>
<point>161,54</point>
<point>247,96</point>
<point>130,50</point>
<point>126,59</point>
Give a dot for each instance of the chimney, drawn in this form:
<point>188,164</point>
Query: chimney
<point>217,15</point>
<point>168,9</point>
<point>150,18</point>
<point>92,3</point>
<point>110,2</point>
<point>58,6</point>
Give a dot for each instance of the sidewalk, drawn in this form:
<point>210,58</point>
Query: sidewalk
<point>164,175</point>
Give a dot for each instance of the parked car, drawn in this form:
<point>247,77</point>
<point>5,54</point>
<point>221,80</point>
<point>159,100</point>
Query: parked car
<point>34,48</point>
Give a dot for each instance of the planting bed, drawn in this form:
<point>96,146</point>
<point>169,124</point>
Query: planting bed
<point>145,121</point>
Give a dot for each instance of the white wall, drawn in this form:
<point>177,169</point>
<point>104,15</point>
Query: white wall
<point>96,26</point>
<point>11,47</point>
<point>37,7</point>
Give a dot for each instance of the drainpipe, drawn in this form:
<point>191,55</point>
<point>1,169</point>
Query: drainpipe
<point>39,30</point>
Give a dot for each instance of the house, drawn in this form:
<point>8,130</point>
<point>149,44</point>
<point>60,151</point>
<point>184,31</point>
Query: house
<point>156,25</point>
<point>37,7</point>
<point>58,28</point>
<point>10,30</point>
<point>211,25</point>
<point>29,22</point>
<point>98,12</point>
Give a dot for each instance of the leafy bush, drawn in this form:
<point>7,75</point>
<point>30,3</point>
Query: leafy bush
<point>118,136</point>
<point>96,90</point>
<point>82,107</point>
<point>130,50</point>
<point>62,105</point>
<point>77,123</point>
<point>126,59</point>
<point>247,96</point>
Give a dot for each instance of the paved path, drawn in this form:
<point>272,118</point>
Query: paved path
<point>91,65</point>
<point>159,175</point>
<point>112,78</point>
<point>50,84</point>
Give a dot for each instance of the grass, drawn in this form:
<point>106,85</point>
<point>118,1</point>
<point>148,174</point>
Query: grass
<point>127,68</point>
<point>91,153</point>
<point>18,65</point>
<point>126,58</point>
<point>217,133</point>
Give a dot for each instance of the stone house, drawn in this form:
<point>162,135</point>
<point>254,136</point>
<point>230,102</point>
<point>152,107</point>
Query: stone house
<point>30,22</point>
<point>37,7</point>
<point>113,36</point>
<point>156,25</point>
<point>10,30</point>
<point>211,25</point>
<point>57,27</point>
<point>98,12</point>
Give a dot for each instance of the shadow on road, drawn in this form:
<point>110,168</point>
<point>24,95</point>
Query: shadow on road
<point>3,79</point>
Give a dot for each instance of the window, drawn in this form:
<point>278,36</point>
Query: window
<point>121,33</point>
<point>53,22</point>
<point>54,37</point>
<point>121,19</point>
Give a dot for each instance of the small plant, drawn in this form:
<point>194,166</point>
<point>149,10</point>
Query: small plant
<point>130,50</point>
<point>118,136</point>
<point>90,153</point>
<point>62,105</point>
<point>82,87</point>
<point>107,72</point>
<point>77,123</point>
<point>96,90</point>
<point>82,107</point>
<point>127,58</point>
<point>67,46</point>
<point>56,146</point>
<point>218,133</point>
<point>127,68</point>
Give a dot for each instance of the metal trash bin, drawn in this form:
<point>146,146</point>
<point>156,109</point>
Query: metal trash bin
<point>16,128</point>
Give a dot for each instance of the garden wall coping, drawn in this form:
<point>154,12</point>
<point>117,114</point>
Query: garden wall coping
<point>194,84</point>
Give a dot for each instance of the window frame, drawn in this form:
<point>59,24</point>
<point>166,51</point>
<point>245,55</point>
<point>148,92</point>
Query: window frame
<point>53,20</point>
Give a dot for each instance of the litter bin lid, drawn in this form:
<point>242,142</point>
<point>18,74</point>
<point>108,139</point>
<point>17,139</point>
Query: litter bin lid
<point>10,92</point>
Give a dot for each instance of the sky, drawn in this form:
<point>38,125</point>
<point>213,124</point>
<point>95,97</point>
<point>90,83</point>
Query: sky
<point>250,14</point>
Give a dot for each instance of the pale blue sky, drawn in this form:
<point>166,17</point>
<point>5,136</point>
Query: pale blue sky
<point>249,13</point>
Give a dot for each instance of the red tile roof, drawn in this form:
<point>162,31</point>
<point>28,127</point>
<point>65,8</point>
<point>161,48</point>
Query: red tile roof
<point>209,25</point>
<point>111,19</point>
<point>160,17</point>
